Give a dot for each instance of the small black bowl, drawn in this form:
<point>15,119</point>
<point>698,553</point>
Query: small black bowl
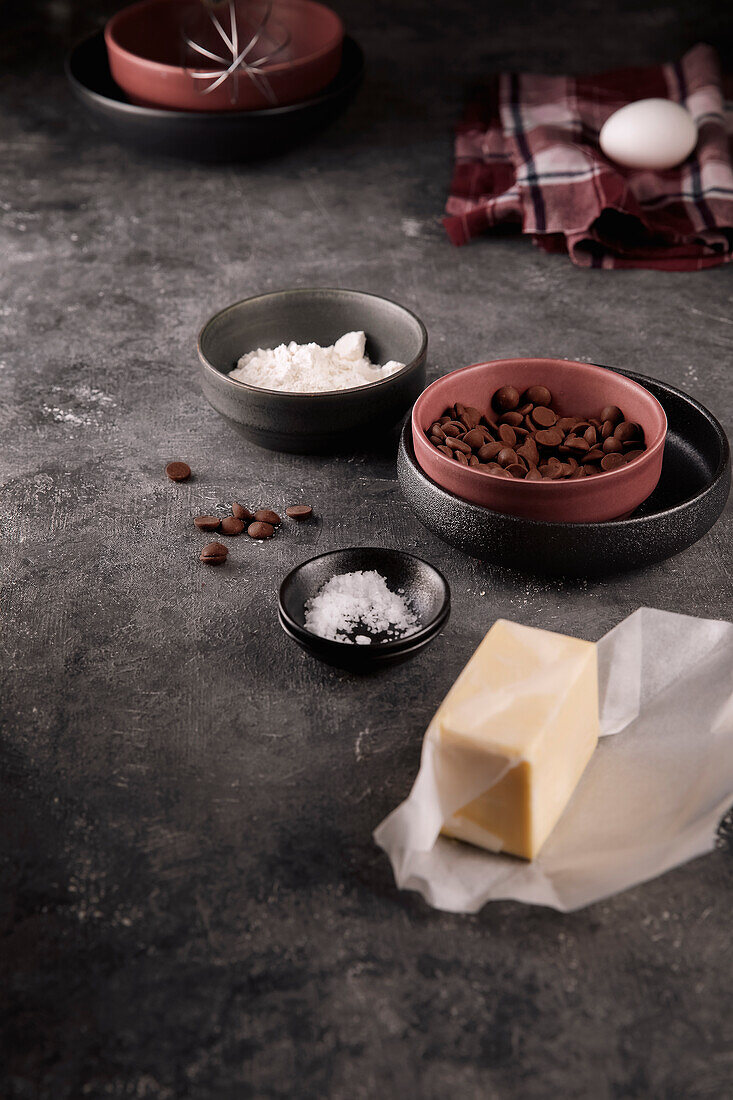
<point>207,136</point>
<point>425,588</point>
<point>689,498</point>
<point>313,423</point>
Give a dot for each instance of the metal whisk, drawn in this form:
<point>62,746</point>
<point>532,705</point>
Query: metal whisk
<point>238,47</point>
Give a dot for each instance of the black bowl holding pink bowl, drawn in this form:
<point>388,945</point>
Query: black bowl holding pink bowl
<point>425,588</point>
<point>206,136</point>
<point>313,423</point>
<point>577,389</point>
<point>689,498</point>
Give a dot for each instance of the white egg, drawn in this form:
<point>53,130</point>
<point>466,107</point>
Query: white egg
<point>651,133</point>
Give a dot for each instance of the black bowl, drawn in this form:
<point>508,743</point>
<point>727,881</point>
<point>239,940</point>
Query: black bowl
<point>313,423</point>
<point>689,498</point>
<point>425,588</point>
<point>205,135</point>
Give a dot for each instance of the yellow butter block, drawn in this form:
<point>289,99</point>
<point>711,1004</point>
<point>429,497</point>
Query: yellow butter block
<point>529,698</point>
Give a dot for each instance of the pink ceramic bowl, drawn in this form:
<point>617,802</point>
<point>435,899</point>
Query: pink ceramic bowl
<point>577,388</point>
<point>151,63</point>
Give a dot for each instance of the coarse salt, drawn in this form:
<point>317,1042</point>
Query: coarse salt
<point>359,608</point>
<point>310,368</point>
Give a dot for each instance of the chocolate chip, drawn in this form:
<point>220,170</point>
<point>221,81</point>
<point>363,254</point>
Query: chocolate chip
<point>576,443</point>
<point>549,437</point>
<point>471,417</point>
<point>266,515</point>
<point>612,413</point>
<point>505,399</point>
<point>260,530</point>
<point>612,462</point>
<point>230,525</point>
<point>511,418</point>
<point>474,439</point>
<point>516,469</point>
<point>529,451</point>
<point>299,511</point>
<point>612,445</point>
<point>538,395</point>
<point>566,423</point>
<point>214,553</point>
<point>507,434</point>
<point>207,523</point>
<point>506,456</point>
<point>458,445</point>
<point>489,451</point>
<point>446,450</point>
<point>178,471</point>
<point>241,513</point>
<point>543,417</point>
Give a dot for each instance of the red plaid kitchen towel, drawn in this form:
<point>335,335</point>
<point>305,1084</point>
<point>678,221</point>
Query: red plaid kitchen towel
<point>527,155</point>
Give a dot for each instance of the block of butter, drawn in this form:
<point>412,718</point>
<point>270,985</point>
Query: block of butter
<point>529,699</point>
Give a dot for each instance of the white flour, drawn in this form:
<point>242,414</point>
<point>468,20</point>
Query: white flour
<point>309,368</point>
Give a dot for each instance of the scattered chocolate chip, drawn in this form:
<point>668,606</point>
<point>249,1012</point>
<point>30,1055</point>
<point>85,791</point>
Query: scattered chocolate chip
<point>266,515</point>
<point>260,530</point>
<point>241,513</point>
<point>299,511</point>
<point>178,471</point>
<point>230,525</point>
<point>207,523</point>
<point>214,553</point>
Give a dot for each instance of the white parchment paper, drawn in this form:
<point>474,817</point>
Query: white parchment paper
<point>650,799</point>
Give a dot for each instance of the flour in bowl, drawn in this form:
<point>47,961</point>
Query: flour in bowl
<point>309,368</point>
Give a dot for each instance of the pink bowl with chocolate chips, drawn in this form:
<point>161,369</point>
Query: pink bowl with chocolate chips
<point>577,389</point>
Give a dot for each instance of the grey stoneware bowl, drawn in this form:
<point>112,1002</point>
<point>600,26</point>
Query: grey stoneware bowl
<point>690,496</point>
<point>424,586</point>
<point>313,423</point>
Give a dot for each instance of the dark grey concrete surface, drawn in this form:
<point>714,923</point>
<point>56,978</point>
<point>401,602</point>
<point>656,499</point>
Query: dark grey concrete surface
<point>191,903</point>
